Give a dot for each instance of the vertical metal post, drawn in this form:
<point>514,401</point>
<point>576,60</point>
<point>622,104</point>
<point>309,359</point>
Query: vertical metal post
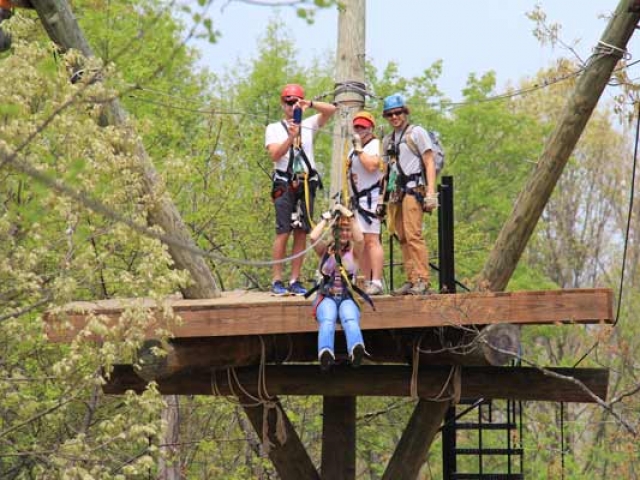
<point>390,263</point>
<point>446,257</point>
<point>447,280</point>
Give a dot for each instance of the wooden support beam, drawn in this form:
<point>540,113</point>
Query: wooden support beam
<point>290,458</point>
<point>452,347</point>
<point>533,198</point>
<point>412,449</point>
<point>519,383</point>
<point>338,438</point>
<point>250,313</point>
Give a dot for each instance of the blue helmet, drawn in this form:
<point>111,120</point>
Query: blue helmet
<point>393,101</point>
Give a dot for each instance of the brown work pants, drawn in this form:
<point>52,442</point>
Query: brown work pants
<point>408,228</point>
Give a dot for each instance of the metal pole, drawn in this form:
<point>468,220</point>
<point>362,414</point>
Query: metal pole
<point>446,276</point>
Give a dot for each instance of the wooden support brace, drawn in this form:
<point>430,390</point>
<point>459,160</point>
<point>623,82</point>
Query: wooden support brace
<point>412,449</point>
<point>436,347</point>
<point>516,383</point>
<point>290,458</point>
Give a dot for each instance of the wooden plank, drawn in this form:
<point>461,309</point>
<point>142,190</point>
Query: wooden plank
<point>338,438</point>
<point>384,346</point>
<point>247,313</point>
<point>519,383</point>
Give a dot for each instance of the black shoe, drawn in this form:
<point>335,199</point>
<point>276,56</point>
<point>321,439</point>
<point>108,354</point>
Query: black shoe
<point>356,355</point>
<point>404,289</point>
<point>327,360</point>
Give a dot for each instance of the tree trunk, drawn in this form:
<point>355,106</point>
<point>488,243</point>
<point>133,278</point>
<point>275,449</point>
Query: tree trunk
<point>169,462</point>
<point>63,29</point>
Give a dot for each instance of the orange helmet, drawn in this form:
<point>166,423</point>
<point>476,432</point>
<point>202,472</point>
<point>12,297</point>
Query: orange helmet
<point>292,90</point>
<point>364,119</point>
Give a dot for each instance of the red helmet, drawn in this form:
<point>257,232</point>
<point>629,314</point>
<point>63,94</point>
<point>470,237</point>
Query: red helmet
<point>364,119</point>
<point>292,90</point>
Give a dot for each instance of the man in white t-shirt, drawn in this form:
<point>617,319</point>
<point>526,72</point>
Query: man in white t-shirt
<point>413,171</point>
<point>365,178</point>
<point>295,179</point>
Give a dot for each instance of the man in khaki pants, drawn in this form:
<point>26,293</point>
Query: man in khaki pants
<point>412,180</point>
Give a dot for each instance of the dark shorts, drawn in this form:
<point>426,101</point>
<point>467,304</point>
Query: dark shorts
<point>285,200</point>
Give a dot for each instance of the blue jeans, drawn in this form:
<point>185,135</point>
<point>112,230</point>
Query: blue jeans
<point>328,311</point>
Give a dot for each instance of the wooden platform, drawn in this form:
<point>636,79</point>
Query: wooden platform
<point>241,313</point>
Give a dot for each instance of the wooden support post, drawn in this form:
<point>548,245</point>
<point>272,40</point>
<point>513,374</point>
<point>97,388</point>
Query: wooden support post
<point>411,452</point>
<point>350,61</point>
<point>338,438</point>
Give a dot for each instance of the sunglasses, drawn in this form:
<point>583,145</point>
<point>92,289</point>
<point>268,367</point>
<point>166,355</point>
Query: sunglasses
<point>291,103</point>
<point>395,113</point>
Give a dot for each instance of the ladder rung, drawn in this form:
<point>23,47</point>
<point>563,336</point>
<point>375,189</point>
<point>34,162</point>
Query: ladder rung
<point>488,451</point>
<point>485,426</point>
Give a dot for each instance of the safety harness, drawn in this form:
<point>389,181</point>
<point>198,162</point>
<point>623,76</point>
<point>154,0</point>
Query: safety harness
<point>325,286</point>
<point>402,179</point>
<point>365,192</point>
<point>297,153</point>
<point>295,174</point>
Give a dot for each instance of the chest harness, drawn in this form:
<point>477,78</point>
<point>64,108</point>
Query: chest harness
<point>326,286</point>
<point>299,166</point>
<point>366,192</point>
<point>397,186</point>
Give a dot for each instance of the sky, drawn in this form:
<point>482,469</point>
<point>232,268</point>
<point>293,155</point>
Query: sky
<point>468,36</point>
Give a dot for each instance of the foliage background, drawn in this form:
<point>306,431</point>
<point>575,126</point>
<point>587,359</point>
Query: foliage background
<point>205,133</point>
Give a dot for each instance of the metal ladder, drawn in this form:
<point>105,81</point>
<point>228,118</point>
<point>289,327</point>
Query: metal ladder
<point>489,430</point>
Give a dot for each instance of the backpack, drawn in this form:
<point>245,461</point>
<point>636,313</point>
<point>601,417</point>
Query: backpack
<point>438,151</point>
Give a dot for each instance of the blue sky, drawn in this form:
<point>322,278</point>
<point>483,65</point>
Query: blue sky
<point>469,36</point>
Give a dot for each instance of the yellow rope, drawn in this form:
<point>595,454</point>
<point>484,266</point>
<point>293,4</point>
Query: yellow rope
<point>306,199</point>
<point>345,173</point>
<point>348,286</point>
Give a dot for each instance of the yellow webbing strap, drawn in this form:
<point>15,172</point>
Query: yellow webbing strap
<point>347,282</point>
<point>345,173</point>
<point>306,198</point>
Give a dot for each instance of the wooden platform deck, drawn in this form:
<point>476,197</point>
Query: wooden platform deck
<point>241,313</point>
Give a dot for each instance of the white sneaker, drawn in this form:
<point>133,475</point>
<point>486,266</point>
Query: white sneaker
<point>374,288</point>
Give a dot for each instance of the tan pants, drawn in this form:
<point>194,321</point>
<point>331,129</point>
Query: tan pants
<point>408,228</point>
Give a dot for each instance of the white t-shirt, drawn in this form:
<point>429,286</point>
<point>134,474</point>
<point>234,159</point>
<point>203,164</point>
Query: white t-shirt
<point>409,162</point>
<point>363,178</point>
<point>277,133</point>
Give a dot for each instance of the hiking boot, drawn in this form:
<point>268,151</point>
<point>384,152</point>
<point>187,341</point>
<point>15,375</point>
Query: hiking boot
<point>419,288</point>
<point>278,289</point>
<point>355,358</point>
<point>326,359</point>
<point>296,288</point>
<point>404,289</point>
<point>374,289</point>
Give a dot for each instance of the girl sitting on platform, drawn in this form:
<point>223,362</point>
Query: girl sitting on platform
<point>335,292</point>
